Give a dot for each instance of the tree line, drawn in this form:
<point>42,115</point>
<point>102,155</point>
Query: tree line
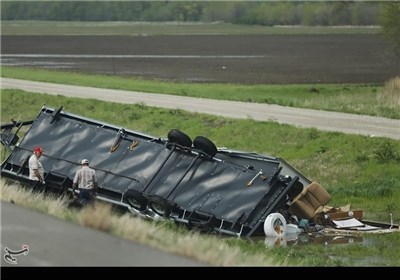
<point>308,13</point>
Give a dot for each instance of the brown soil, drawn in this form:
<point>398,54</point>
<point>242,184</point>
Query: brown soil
<point>270,59</point>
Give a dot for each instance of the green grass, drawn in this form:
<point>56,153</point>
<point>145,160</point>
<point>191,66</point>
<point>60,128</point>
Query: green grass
<point>359,170</point>
<point>349,98</point>
<point>166,28</point>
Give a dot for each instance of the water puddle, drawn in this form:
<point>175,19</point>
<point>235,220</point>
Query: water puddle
<point>312,238</point>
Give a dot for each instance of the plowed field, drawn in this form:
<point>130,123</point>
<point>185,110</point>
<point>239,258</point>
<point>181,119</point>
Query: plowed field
<point>267,59</point>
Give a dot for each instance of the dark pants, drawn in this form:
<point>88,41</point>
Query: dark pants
<point>86,196</point>
<point>37,186</point>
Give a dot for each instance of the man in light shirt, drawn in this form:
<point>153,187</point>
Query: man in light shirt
<point>36,171</point>
<point>85,180</point>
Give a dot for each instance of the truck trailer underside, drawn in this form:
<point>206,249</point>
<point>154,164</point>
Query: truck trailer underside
<point>191,182</point>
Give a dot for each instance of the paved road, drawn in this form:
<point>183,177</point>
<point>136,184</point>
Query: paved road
<point>54,242</point>
<point>323,120</point>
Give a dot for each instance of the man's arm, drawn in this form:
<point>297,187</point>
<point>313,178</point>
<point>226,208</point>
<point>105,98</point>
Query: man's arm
<point>74,185</point>
<point>95,187</point>
<point>41,180</point>
<point>75,182</point>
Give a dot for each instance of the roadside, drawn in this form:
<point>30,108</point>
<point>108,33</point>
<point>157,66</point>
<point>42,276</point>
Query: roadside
<point>307,118</point>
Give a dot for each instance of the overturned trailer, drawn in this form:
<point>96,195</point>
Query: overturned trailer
<point>191,182</point>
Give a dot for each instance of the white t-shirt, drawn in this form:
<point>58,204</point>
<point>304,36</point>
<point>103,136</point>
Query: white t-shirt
<point>34,163</point>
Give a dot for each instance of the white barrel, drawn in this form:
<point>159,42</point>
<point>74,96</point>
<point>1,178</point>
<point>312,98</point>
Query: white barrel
<point>275,225</point>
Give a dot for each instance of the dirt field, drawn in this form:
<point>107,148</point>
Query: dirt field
<point>269,59</point>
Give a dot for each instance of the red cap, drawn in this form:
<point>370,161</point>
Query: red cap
<point>38,149</point>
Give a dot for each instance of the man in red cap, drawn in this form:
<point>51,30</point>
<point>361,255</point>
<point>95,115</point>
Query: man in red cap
<point>36,171</point>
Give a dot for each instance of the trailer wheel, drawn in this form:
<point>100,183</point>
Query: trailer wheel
<point>178,137</point>
<point>136,200</point>
<point>160,206</point>
<point>205,145</point>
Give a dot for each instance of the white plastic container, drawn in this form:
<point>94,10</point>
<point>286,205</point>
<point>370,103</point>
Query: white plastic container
<point>293,229</point>
<point>275,225</point>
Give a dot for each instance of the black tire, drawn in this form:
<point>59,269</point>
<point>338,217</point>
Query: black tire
<point>136,200</point>
<point>160,206</point>
<point>180,138</point>
<point>205,145</point>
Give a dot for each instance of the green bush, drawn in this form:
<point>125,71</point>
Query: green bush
<point>385,153</point>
